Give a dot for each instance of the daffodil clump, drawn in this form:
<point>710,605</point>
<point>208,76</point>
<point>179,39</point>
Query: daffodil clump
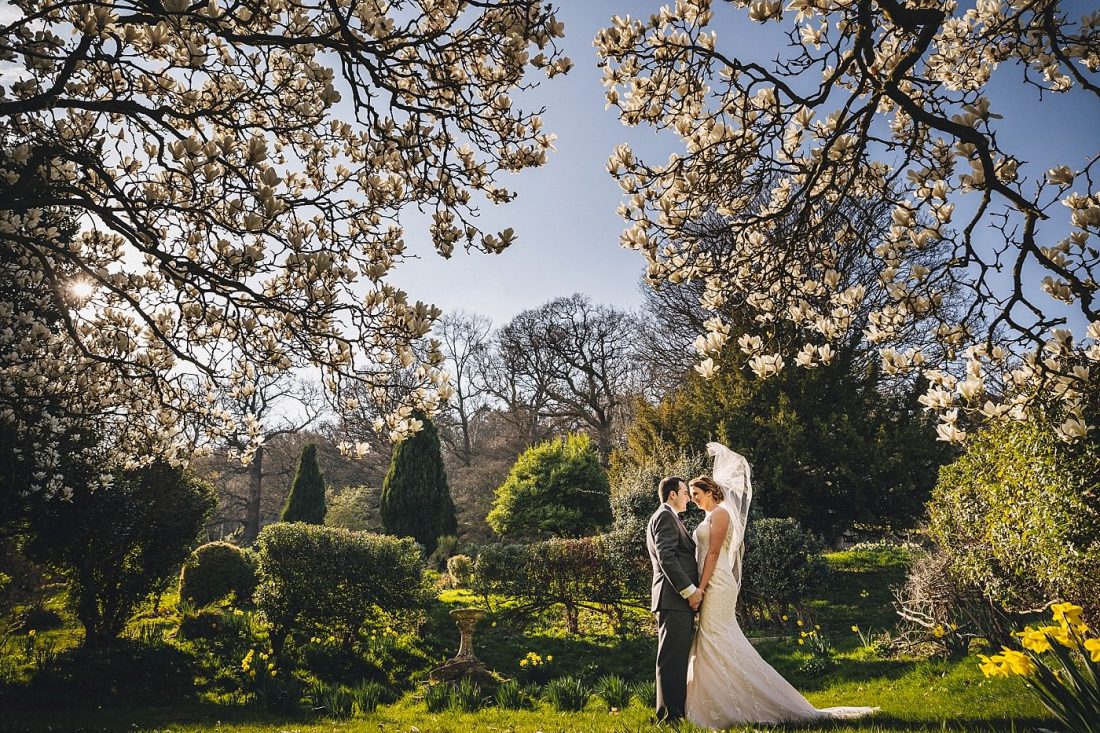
<point>258,666</point>
<point>536,667</point>
<point>821,652</point>
<point>1060,663</point>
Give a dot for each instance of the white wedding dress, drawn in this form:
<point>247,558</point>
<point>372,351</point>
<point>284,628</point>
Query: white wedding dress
<point>728,681</point>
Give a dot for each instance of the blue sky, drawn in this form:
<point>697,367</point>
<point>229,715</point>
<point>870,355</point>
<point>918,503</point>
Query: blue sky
<point>565,213</point>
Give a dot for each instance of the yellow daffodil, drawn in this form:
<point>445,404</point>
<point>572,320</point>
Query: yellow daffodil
<point>1092,646</point>
<point>1018,662</point>
<point>799,622</point>
<point>801,642</point>
<point>1035,640</point>
<point>32,633</point>
<point>939,632</point>
<point>993,667</point>
<point>855,628</point>
<point>784,617</point>
<point>523,662</point>
<point>549,657</point>
<point>1059,633</point>
<point>1067,614</point>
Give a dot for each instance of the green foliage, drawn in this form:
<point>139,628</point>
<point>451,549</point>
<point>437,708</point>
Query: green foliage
<point>461,569</point>
<point>614,691</point>
<point>342,703</point>
<point>832,447</point>
<point>117,544</point>
<point>306,501</point>
<point>566,694</point>
<point>555,488</point>
<point>466,696</point>
<point>416,500</point>
<point>573,573</point>
<point>645,692</point>
<point>356,508</point>
<point>437,697</point>
<point>782,566</point>
<point>321,578</point>
<point>216,570</point>
<point>511,695</point>
<point>445,547</point>
<point>1019,516</point>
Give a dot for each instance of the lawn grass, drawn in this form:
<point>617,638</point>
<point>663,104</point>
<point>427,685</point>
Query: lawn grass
<point>914,694</point>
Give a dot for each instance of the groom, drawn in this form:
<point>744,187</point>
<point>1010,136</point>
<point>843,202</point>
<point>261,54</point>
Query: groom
<point>674,595</point>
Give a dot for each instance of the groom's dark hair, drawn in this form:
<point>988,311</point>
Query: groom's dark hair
<point>668,487</point>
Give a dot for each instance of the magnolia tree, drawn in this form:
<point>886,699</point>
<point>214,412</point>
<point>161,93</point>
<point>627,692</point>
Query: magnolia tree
<point>236,170</point>
<point>875,102</point>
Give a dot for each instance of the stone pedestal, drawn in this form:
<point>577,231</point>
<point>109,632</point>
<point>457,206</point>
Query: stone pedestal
<point>465,663</point>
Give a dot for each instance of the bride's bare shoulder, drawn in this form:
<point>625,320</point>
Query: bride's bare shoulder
<point>720,517</point>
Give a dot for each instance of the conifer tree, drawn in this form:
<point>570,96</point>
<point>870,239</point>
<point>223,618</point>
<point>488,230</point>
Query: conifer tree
<point>416,501</point>
<point>306,502</point>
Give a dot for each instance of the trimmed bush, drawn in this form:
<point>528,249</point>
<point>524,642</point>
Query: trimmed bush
<point>783,565</point>
<point>216,570</point>
<point>322,578</point>
<point>1019,515</point>
<point>557,488</point>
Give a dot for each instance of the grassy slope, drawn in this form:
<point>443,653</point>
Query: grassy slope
<point>915,694</point>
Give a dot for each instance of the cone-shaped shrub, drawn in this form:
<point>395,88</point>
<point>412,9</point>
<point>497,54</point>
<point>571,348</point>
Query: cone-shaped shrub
<point>416,501</point>
<point>306,502</point>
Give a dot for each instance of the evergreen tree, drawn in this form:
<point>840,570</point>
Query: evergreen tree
<point>416,501</point>
<point>833,447</point>
<point>306,502</point>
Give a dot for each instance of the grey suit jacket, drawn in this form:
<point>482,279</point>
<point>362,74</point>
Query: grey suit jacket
<point>672,553</point>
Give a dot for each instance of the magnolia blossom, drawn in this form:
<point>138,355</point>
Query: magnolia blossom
<point>221,185</point>
<point>818,195</point>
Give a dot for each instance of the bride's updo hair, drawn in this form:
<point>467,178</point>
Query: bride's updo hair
<point>709,485</point>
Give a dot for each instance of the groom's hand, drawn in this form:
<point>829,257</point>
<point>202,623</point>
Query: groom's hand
<point>696,599</point>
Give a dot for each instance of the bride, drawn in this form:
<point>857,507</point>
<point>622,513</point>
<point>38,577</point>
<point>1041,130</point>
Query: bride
<point>728,682</point>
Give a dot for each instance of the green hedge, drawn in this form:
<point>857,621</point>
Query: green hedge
<point>216,570</point>
<point>323,578</point>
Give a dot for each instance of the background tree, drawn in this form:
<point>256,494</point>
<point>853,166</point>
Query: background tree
<point>264,408</point>
<point>556,488</point>
<point>306,502</point>
<point>227,202</point>
<point>465,338</point>
<point>416,501</point>
<point>828,448</point>
<point>356,507</point>
<point>901,119</point>
<point>577,360</point>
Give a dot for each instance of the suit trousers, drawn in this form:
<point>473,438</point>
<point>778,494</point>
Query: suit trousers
<point>673,648</point>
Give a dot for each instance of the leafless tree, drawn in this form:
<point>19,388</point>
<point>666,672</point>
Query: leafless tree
<point>465,339</point>
<point>573,362</point>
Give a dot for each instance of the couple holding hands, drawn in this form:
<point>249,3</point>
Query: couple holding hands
<point>708,671</point>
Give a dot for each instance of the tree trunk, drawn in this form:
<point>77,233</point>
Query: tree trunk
<point>255,493</point>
